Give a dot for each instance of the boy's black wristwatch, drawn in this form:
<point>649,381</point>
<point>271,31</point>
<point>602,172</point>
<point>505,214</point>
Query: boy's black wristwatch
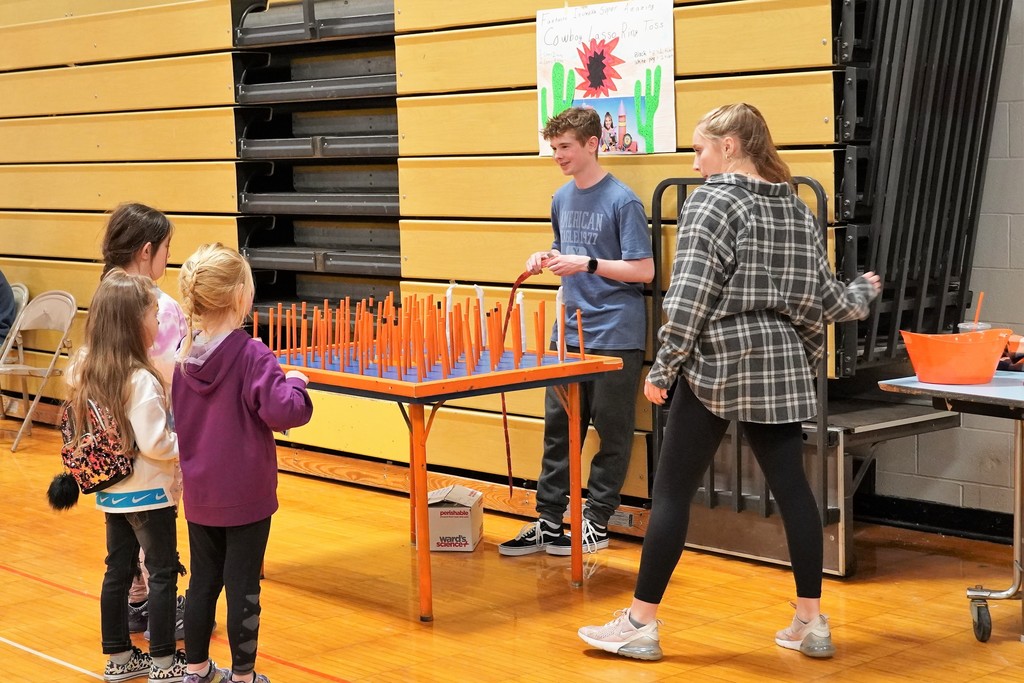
<point>592,266</point>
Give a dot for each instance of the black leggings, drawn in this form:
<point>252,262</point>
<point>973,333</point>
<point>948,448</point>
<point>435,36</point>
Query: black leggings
<point>228,558</point>
<point>692,436</point>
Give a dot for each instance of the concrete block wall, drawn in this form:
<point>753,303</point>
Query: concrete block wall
<point>972,467</point>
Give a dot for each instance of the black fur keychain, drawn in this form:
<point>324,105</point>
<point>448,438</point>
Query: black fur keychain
<point>63,492</point>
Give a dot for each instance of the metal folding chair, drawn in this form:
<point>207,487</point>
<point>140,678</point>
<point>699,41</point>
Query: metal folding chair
<point>20,297</point>
<point>50,311</point>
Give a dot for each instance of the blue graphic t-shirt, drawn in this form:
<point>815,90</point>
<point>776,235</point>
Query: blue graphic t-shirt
<point>606,221</point>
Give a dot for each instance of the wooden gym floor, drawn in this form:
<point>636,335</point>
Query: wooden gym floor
<point>339,600</point>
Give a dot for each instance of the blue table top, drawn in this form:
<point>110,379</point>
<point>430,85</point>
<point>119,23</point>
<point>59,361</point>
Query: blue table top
<point>1006,389</point>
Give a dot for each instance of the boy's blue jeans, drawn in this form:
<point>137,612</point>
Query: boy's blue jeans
<point>155,531</point>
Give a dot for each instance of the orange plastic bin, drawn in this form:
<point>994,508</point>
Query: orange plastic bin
<point>969,358</point>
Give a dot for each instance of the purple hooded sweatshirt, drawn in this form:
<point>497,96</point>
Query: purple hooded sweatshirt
<point>227,402</point>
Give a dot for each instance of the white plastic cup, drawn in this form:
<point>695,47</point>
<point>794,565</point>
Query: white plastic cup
<point>973,327</point>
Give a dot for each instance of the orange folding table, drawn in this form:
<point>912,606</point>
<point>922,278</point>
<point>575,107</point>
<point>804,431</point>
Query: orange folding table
<point>564,374</point>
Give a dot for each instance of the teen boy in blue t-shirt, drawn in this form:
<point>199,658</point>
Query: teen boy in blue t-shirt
<point>602,253</point>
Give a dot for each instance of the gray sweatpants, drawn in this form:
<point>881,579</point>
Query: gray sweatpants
<point>609,402</point>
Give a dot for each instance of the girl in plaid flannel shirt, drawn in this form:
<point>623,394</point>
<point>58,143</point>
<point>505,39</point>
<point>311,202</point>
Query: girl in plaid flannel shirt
<point>750,295</point>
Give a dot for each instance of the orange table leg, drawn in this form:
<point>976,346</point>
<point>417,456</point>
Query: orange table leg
<point>572,409</point>
<point>418,465</point>
<point>412,490</point>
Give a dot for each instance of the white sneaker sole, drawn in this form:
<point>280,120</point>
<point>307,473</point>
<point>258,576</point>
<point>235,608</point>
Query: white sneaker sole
<point>644,648</point>
<point>525,550</point>
<point>566,550</point>
<point>819,648</point>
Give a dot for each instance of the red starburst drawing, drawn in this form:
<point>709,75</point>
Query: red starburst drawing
<point>598,67</point>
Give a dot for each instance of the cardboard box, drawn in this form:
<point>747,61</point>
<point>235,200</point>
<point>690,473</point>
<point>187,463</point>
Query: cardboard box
<point>456,518</point>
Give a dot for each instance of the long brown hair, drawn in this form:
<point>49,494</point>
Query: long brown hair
<point>115,347</point>
<point>215,284</point>
<point>129,228</point>
<point>745,123</point>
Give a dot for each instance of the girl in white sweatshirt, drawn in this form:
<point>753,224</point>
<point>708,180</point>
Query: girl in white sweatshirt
<point>114,370</point>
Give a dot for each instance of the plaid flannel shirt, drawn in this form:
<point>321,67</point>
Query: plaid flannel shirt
<point>750,296</point>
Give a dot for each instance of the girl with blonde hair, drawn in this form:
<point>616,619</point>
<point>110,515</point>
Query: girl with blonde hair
<point>746,309</point>
<point>229,395</point>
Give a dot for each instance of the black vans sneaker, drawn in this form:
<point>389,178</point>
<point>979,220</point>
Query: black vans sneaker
<point>594,538</point>
<point>532,538</point>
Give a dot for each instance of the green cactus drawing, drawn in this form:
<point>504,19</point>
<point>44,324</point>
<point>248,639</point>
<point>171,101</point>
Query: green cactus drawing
<point>562,87</point>
<point>646,106</point>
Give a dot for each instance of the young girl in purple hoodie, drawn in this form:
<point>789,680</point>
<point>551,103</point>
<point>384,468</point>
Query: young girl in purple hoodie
<point>229,396</point>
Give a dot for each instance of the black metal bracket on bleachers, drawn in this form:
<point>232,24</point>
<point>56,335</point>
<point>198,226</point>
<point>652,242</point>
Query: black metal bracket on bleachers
<point>853,40</point>
<point>313,20</point>
<point>854,197</point>
<point>853,118</point>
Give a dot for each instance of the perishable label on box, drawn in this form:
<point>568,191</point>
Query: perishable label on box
<point>456,518</point>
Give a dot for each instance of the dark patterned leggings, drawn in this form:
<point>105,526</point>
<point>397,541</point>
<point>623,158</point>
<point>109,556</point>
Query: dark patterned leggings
<point>692,436</point>
<point>229,558</point>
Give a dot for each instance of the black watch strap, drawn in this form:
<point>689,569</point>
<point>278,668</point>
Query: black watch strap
<point>592,266</point>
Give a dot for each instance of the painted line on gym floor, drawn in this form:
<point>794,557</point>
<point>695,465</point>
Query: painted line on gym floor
<point>48,658</point>
<point>224,641</point>
<point>52,584</point>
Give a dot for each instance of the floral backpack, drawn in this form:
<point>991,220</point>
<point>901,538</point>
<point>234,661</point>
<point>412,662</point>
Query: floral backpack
<point>98,460</point>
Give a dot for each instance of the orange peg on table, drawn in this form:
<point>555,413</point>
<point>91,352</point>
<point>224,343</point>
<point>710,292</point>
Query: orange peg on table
<point>579,332</point>
<point>280,322</point>
<point>561,333</point>
<point>302,336</point>
<point>517,341</point>
<point>270,328</point>
<point>538,336</point>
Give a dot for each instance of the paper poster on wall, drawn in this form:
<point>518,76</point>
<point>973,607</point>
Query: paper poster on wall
<point>617,58</point>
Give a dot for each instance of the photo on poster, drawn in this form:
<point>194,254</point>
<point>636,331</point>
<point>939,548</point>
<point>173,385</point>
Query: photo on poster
<point>617,58</point>
<point>618,124</point>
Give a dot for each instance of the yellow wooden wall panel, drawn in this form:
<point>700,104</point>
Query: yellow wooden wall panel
<point>437,250</point>
<point>177,134</point>
<point>521,187</point>
<point>184,186</point>
<point>501,123</point>
<point>193,81</point>
<point>467,59</point>
<point>417,15</point>
<point>354,425</point>
<point>799,108</point>
<point>184,27</point>
<point>530,403</point>
<point>23,11</point>
<point>80,235</point>
<point>720,38</point>
<point>753,35</point>
<point>78,279</point>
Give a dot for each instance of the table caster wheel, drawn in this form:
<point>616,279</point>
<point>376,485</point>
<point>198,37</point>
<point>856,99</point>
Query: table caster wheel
<point>982,620</point>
